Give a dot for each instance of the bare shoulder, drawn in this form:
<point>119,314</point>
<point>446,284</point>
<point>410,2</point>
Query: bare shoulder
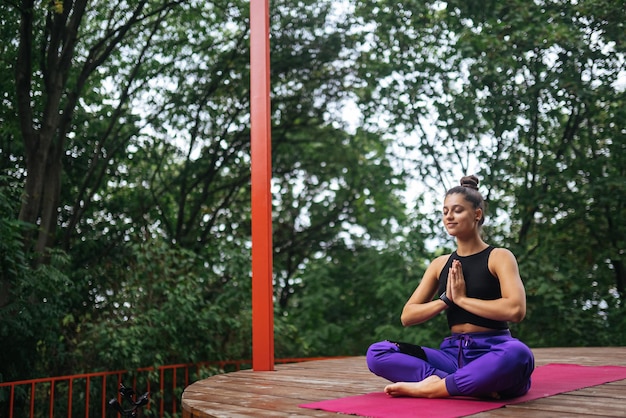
<point>502,260</point>
<point>438,263</point>
<point>502,255</point>
<point>432,273</point>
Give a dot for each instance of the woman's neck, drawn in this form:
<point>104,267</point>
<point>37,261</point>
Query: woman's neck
<point>470,246</point>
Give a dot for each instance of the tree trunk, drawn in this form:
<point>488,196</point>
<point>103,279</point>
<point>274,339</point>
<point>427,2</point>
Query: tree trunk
<point>42,134</point>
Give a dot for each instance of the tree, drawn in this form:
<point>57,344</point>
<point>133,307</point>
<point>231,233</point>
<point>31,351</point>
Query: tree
<point>326,180</point>
<point>130,133</point>
<point>355,294</point>
<point>151,194</point>
<point>35,299</point>
<point>528,95</point>
<point>51,73</point>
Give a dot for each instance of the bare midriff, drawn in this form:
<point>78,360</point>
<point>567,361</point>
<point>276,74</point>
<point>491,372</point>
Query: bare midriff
<point>468,328</point>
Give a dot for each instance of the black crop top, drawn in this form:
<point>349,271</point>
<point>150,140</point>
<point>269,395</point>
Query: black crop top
<point>479,283</point>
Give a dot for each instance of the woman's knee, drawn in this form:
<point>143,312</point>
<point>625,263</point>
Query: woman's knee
<point>517,355</point>
<point>377,352</point>
<point>522,352</point>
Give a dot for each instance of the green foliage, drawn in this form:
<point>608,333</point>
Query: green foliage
<point>32,300</point>
<point>345,300</point>
<point>531,97</point>
<point>165,305</point>
<point>354,296</point>
<point>146,227</point>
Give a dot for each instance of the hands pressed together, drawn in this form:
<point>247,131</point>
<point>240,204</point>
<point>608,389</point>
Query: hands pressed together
<point>455,288</point>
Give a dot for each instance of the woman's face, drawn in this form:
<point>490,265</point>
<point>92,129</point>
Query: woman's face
<point>459,216</point>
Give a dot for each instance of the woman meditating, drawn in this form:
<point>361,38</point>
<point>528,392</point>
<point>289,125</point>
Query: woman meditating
<point>480,289</point>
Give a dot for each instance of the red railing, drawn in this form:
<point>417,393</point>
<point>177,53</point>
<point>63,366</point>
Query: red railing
<point>78,394</point>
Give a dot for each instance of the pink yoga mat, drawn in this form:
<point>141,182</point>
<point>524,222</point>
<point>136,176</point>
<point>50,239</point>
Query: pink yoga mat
<point>548,380</point>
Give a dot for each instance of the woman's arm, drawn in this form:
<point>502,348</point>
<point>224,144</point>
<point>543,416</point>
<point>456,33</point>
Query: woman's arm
<point>421,307</point>
<point>510,307</point>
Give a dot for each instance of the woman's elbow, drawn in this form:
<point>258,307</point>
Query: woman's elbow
<point>407,318</point>
<point>404,320</point>
<point>518,314</point>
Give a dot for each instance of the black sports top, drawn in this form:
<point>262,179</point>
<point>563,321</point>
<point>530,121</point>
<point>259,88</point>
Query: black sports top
<point>479,283</point>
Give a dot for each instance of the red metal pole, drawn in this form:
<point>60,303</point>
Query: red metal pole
<point>261,166</point>
<point>51,399</point>
<point>69,398</point>
<point>87,388</point>
<point>104,396</point>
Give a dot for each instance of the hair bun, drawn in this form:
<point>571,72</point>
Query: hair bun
<point>470,182</point>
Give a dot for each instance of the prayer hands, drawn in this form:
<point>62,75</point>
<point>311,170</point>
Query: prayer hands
<point>455,288</point>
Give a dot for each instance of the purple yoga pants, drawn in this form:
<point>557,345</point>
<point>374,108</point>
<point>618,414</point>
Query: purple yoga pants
<point>474,364</point>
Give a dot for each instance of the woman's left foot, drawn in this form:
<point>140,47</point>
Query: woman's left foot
<point>431,387</point>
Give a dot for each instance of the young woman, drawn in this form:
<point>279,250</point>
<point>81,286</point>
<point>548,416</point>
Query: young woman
<point>480,289</point>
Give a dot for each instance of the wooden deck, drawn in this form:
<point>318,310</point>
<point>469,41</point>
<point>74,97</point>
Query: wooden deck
<point>278,393</point>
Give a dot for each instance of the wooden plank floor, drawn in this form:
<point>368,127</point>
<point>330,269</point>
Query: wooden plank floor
<point>278,393</point>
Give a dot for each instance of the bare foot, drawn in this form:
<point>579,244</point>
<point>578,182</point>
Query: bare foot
<point>431,387</point>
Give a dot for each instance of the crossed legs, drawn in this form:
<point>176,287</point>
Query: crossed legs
<point>489,368</point>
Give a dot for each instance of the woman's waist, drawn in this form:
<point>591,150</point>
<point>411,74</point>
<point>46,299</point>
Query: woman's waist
<point>473,329</point>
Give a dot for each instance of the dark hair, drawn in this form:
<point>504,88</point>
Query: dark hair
<point>469,189</point>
